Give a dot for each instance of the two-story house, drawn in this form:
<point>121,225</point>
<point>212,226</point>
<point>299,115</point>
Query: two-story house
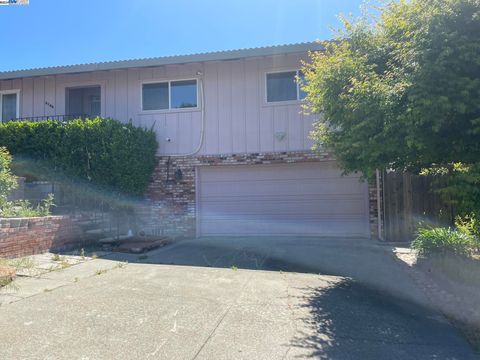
<point>235,155</point>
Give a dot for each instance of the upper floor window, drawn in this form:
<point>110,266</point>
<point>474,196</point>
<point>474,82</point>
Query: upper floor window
<point>169,95</point>
<point>283,86</point>
<point>9,105</point>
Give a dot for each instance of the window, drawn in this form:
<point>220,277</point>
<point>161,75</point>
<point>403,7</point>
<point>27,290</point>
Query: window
<point>283,86</point>
<point>83,101</point>
<point>9,105</point>
<point>169,95</point>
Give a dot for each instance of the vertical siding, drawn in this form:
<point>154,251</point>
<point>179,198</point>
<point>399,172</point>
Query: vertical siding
<point>120,96</point>
<point>26,105</point>
<point>50,97</point>
<point>252,107</point>
<point>39,96</point>
<point>237,118</point>
<point>210,85</point>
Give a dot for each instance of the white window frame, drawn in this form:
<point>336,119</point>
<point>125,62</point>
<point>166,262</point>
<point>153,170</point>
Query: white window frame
<point>9,92</point>
<point>170,109</point>
<point>284,102</point>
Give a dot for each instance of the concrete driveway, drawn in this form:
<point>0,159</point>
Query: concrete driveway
<point>231,299</point>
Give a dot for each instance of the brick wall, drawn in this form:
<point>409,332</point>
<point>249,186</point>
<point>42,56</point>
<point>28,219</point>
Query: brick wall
<point>172,199</point>
<point>27,236</point>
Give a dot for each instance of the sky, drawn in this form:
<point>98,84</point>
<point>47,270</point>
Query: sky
<point>64,32</point>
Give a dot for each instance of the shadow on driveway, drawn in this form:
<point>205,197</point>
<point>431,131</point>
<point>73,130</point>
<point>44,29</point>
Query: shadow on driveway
<point>373,311</point>
<point>348,321</point>
<point>361,260</point>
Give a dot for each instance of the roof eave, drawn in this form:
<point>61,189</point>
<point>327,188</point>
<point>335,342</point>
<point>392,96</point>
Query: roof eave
<point>167,60</point>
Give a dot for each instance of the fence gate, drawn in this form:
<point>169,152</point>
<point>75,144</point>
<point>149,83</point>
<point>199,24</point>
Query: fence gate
<point>410,199</point>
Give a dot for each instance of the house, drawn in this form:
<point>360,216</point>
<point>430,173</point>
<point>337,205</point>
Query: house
<point>235,155</point>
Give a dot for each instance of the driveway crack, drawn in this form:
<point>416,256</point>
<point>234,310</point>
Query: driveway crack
<point>219,321</point>
<point>292,312</point>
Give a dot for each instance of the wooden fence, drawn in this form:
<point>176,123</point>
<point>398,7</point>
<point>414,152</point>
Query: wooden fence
<point>409,200</point>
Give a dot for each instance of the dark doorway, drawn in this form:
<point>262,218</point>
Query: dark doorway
<point>83,101</point>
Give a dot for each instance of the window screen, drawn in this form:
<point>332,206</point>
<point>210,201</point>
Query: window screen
<point>281,86</point>
<point>155,96</point>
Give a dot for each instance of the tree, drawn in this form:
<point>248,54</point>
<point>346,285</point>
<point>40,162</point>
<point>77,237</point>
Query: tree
<point>401,92</point>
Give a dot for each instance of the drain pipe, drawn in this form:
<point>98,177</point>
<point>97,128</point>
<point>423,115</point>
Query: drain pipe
<point>379,206</point>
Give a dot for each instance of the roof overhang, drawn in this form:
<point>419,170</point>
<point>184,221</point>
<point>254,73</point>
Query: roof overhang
<point>166,60</point>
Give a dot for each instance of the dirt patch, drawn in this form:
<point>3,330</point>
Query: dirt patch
<point>7,274</point>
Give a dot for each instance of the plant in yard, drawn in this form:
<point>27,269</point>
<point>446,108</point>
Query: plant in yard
<point>101,271</point>
<point>23,208</point>
<point>470,225</point>
<point>7,179</point>
<point>56,257</point>
<point>442,241</point>
<point>400,91</point>
<point>111,155</point>
<point>8,182</point>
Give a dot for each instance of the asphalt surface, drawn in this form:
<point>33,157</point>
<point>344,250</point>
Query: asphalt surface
<point>230,299</point>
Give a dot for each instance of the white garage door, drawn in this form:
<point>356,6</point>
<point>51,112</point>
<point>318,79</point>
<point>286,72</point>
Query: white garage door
<point>288,199</point>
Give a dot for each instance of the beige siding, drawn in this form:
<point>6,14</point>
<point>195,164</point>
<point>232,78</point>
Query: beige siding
<point>237,118</point>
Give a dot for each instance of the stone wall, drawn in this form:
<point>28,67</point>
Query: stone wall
<point>27,236</point>
<point>172,192</point>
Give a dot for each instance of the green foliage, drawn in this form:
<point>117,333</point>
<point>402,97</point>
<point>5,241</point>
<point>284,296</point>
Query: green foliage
<point>7,179</point>
<point>400,92</point>
<point>462,186</point>
<point>23,208</point>
<point>17,208</point>
<point>470,226</point>
<point>443,241</point>
<point>105,152</point>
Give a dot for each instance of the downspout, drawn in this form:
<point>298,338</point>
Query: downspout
<point>379,206</point>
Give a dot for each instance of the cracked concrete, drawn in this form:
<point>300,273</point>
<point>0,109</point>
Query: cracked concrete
<point>155,310</point>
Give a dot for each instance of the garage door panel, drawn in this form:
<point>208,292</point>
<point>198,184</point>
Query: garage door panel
<point>280,206</point>
<point>268,172</point>
<point>289,199</point>
<point>240,227</point>
<point>276,187</point>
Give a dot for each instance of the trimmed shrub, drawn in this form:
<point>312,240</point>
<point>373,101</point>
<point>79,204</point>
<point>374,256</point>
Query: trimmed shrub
<point>443,241</point>
<point>112,155</point>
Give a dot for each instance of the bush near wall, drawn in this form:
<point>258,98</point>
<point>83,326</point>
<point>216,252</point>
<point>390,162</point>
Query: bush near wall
<point>105,152</point>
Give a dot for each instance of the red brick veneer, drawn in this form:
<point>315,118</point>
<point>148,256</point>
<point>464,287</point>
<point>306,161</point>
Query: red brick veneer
<point>27,236</point>
<point>172,200</point>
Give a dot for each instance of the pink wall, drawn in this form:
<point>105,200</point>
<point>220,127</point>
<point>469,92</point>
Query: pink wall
<point>236,116</point>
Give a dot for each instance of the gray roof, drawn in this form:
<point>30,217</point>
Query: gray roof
<point>165,60</point>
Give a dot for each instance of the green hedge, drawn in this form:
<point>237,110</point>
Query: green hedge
<point>105,152</point>
<point>443,241</point>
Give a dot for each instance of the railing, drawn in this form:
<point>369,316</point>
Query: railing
<point>52,117</point>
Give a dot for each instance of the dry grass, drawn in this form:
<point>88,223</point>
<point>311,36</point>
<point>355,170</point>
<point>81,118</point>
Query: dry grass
<point>18,263</point>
